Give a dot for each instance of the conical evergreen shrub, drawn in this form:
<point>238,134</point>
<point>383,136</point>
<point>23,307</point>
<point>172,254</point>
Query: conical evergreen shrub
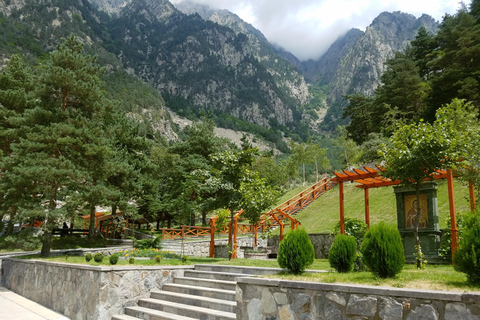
<point>342,253</point>
<point>382,250</point>
<point>467,257</point>
<point>295,252</point>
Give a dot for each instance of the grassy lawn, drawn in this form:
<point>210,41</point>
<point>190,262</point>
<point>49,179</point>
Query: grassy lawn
<point>322,214</point>
<point>434,277</point>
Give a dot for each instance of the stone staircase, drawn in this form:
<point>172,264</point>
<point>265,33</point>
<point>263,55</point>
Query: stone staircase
<point>206,293</point>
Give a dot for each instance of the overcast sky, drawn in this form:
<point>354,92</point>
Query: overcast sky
<point>308,27</point>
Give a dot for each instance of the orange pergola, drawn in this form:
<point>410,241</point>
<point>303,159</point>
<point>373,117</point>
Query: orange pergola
<point>371,178</point>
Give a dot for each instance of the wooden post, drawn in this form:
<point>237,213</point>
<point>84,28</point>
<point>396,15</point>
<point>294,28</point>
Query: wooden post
<point>342,210</point>
<point>212,238</point>
<point>471,188</point>
<point>235,227</point>
<point>367,208</point>
<point>255,226</point>
<point>281,231</point>
<point>453,218</point>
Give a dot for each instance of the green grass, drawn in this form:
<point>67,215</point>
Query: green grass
<point>324,213</point>
<point>433,277</point>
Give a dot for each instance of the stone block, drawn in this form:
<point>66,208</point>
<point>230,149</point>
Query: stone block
<point>424,312</point>
<point>455,311</point>
<point>390,310</point>
<point>362,305</point>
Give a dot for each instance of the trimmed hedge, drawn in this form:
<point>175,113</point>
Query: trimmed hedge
<point>467,258</point>
<point>343,253</point>
<point>295,252</point>
<point>382,250</point>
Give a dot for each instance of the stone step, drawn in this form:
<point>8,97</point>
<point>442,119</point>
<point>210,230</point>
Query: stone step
<point>214,275</point>
<point>237,269</point>
<point>193,300</point>
<point>151,314</point>
<point>229,295</point>
<point>186,310</point>
<point>209,283</point>
<point>124,317</point>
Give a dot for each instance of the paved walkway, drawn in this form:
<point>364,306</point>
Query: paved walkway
<point>16,307</point>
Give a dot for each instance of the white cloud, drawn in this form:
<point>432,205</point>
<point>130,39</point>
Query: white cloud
<point>308,27</point>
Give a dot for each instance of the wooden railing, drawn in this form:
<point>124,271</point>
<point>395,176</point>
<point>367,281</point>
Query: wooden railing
<point>275,217</point>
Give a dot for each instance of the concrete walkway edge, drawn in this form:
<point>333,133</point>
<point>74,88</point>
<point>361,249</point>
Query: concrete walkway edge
<point>14,306</point>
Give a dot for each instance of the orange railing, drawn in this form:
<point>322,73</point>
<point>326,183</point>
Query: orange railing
<point>275,217</point>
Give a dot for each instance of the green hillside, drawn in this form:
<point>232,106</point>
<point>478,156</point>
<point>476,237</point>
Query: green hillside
<point>324,213</point>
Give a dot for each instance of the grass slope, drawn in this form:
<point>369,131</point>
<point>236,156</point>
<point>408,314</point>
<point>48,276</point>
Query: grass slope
<point>322,214</point>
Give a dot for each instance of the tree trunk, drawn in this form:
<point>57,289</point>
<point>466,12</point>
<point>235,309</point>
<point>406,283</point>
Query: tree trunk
<point>49,225</point>
<point>303,174</point>
<point>418,248</point>
<point>11,222</point>
<point>92,222</point>
<point>316,168</point>
<point>204,218</point>
<point>47,238</point>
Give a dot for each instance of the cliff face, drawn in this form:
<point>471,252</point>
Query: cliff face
<point>362,66</point>
<point>355,62</point>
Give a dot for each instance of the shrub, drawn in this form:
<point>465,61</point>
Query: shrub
<point>342,253</point>
<point>131,260</point>
<point>353,227</point>
<point>185,259</point>
<point>88,257</point>
<point>155,243</point>
<point>445,250</point>
<point>113,259</point>
<point>24,240</point>
<point>158,259</point>
<point>467,258</point>
<point>98,257</point>
<point>295,252</point>
<point>382,250</point>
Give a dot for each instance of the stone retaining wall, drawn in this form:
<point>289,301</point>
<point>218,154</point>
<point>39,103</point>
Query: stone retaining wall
<point>202,248</point>
<point>270,299</point>
<point>84,292</point>
<point>321,243</point>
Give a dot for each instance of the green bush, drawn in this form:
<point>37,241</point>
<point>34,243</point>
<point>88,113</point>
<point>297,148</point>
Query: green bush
<point>353,227</point>
<point>88,257</point>
<point>342,253</point>
<point>131,260</point>
<point>155,243</point>
<point>24,240</point>
<point>467,258</point>
<point>445,250</point>
<point>382,250</point>
<point>113,259</point>
<point>295,252</point>
<point>185,259</point>
<point>98,257</point>
<point>158,259</point>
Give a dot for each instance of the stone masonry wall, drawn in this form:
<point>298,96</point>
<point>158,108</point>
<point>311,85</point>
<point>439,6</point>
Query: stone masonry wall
<point>321,243</point>
<point>270,299</point>
<point>202,248</point>
<point>84,292</point>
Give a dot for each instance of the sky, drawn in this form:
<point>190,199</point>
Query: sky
<point>307,28</point>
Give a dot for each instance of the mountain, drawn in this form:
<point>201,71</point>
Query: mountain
<point>195,64</point>
<point>359,58</point>
<point>196,59</point>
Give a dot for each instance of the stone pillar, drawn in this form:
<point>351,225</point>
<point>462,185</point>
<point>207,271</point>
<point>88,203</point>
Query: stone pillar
<point>428,231</point>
